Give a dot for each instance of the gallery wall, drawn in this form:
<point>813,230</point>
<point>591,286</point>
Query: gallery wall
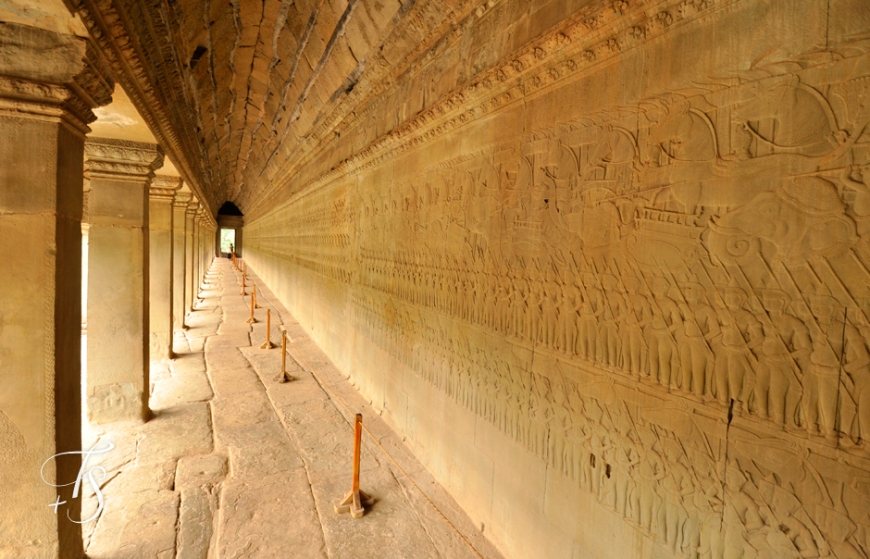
<point>605,265</point>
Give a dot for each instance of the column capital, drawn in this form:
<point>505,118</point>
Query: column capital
<point>192,207</point>
<point>182,199</point>
<point>51,76</point>
<point>164,187</point>
<point>121,159</point>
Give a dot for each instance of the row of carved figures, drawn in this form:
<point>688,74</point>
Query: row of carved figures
<point>800,364</point>
<point>669,490</point>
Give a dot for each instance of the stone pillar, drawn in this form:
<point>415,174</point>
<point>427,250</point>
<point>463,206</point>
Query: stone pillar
<point>49,81</point>
<point>120,174</point>
<point>209,241</point>
<point>161,264</point>
<point>189,220</point>
<point>197,254</point>
<point>179,206</point>
<point>197,285</point>
<point>203,239</point>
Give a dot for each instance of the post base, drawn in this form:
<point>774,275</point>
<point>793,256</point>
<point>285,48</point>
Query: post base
<point>252,320</point>
<point>268,345</point>
<point>353,503</point>
<point>282,378</point>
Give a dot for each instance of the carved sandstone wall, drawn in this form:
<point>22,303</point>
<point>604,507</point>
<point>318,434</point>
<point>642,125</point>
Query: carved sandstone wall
<point>614,287</point>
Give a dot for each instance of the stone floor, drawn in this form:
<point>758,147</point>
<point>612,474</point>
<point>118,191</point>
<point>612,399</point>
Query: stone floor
<point>236,465</point>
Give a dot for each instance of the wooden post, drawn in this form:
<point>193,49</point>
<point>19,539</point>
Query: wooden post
<point>243,286</point>
<point>282,376</point>
<point>256,306</point>
<point>268,343</point>
<point>353,501</point>
<point>251,319</point>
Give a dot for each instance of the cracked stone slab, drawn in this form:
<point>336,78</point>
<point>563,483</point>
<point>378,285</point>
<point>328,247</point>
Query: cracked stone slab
<point>175,432</point>
<point>181,389</point>
<point>270,516</point>
<point>228,341</point>
<point>390,527</point>
<point>196,523</point>
<point>227,382</point>
<point>188,364</point>
<point>141,527</point>
<point>217,359</point>
<point>206,469</point>
<point>257,449</point>
<point>243,408</point>
<point>325,439</point>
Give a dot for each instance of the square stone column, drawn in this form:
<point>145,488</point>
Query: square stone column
<point>161,263</point>
<point>49,81</point>
<point>179,207</point>
<point>189,251</point>
<point>199,225</point>
<point>203,237</point>
<point>120,174</point>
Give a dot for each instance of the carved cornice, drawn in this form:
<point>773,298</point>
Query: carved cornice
<point>107,25</point>
<point>76,81</point>
<point>571,50</point>
<point>121,159</point>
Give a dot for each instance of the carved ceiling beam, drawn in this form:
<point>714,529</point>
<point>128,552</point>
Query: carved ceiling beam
<point>110,29</point>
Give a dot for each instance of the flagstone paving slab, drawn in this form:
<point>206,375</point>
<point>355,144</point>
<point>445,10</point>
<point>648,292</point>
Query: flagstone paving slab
<point>234,464</point>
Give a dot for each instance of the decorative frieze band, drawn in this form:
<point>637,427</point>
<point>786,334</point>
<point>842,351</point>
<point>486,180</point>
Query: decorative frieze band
<point>594,35</point>
<point>121,159</point>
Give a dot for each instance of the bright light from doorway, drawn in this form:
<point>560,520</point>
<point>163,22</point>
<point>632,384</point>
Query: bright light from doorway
<point>228,239</point>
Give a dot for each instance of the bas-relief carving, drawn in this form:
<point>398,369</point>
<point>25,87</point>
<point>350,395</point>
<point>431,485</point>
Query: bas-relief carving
<point>691,274</point>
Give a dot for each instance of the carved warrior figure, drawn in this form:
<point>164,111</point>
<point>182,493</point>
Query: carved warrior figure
<point>660,333</point>
<point>783,358</point>
<point>736,363</point>
<point>700,331</point>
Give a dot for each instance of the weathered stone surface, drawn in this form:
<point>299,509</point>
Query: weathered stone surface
<point>175,432</point>
<point>255,513</point>
<point>622,301</point>
<point>194,471</point>
<point>270,488</point>
<point>119,174</point>
<point>196,523</point>
<point>617,250</point>
<point>50,79</point>
<point>161,262</point>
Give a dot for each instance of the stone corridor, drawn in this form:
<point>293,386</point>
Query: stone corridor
<point>236,465</point>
